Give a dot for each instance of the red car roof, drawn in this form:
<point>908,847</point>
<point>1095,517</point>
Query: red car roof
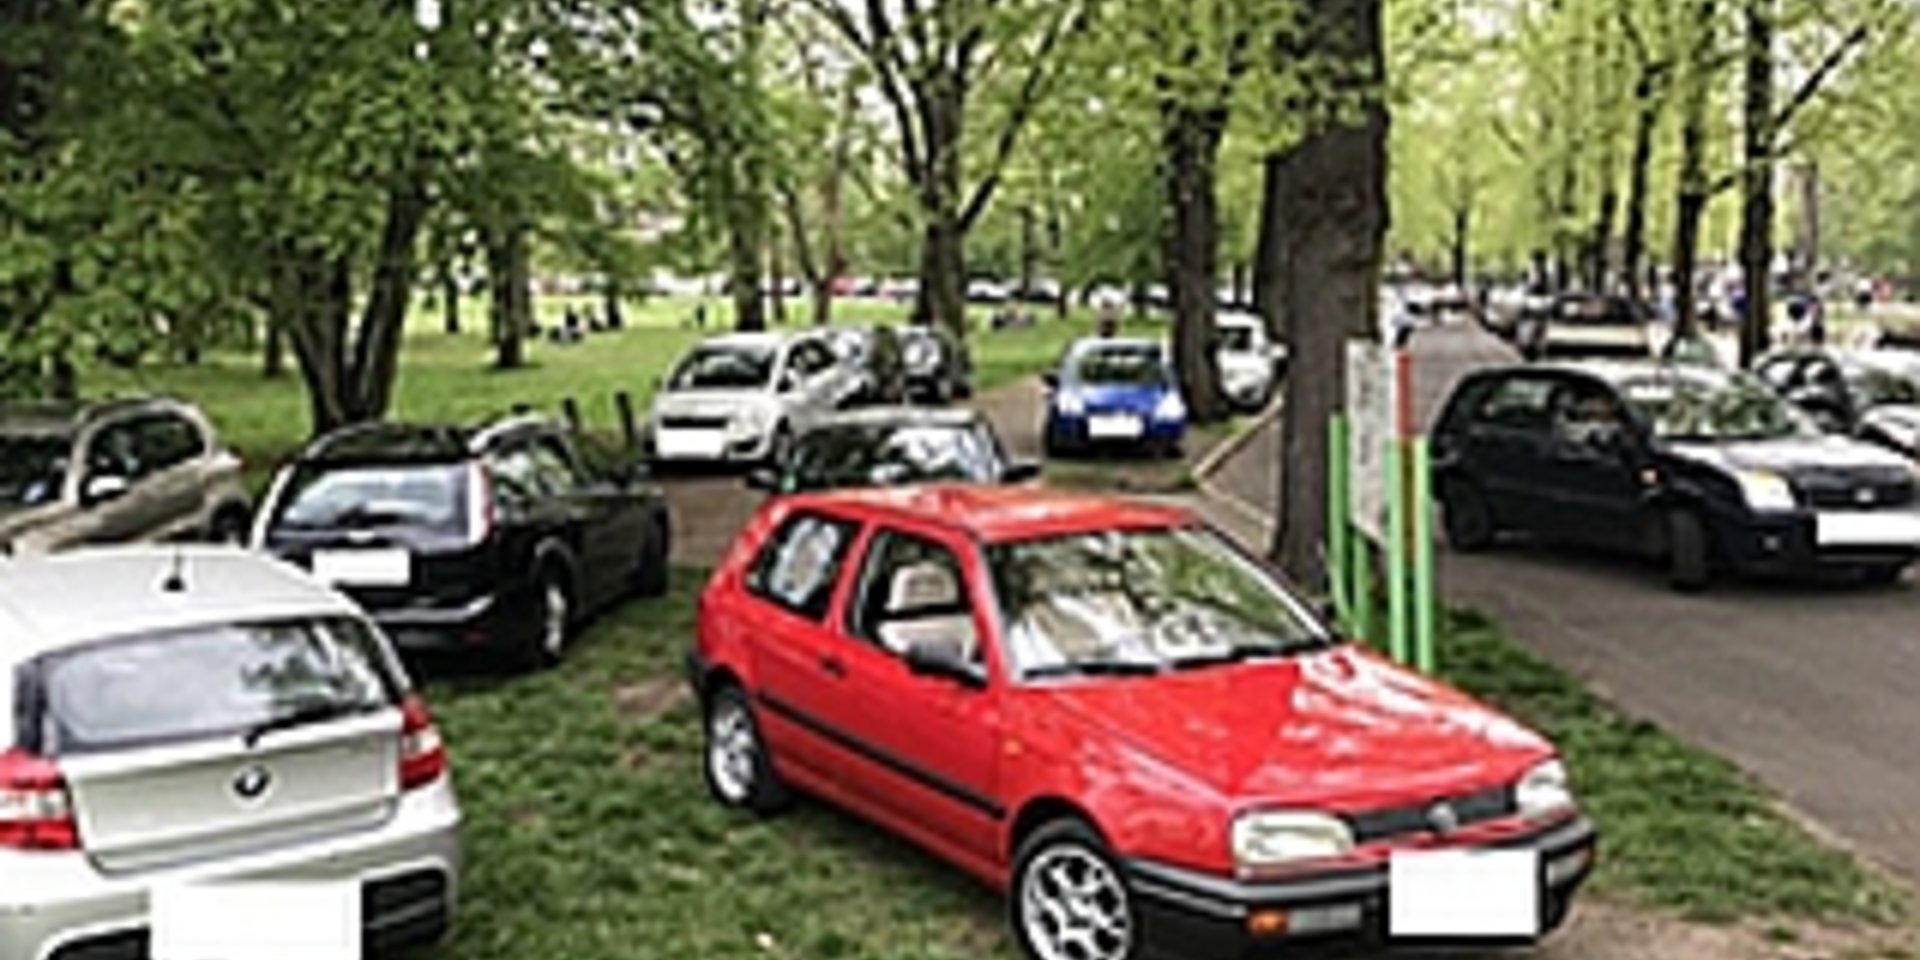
<point>999,514</point>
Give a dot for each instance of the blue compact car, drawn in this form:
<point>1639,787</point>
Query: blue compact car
<point>1115,394</point>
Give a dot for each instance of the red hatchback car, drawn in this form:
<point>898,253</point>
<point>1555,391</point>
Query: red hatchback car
<point>1108,712</point>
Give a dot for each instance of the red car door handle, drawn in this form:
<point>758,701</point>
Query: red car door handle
<point>833,667</point>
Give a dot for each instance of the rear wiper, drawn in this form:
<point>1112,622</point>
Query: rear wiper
<point>301,716</point>
<point>362,517</point>
<point>1096,668</point>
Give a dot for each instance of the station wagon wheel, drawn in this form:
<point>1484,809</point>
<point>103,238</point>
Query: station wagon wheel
<point>552,620</point>
<point>1465,516</point>
<point>650,575</point>
<point>739,770</point>
<point>1069,900</point>
<point>1688,551</point>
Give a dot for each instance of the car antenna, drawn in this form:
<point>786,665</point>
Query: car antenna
<point>176,581</point>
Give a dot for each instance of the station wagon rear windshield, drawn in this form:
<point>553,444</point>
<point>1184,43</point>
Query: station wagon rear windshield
<point>421,496</point>
<point>1142,602</point>
<point>728,367</point>
<point>1122,365</point>
<point>1691,409</point>
<point>884,456</point>
<point>32,469</point>
<point>204,682</point>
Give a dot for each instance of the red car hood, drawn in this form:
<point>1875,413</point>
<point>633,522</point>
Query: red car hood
<point>1341,730</point>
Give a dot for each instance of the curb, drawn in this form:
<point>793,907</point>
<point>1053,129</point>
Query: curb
<point>1228,448</point>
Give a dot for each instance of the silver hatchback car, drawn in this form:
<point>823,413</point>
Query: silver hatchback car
<point>201,719</point>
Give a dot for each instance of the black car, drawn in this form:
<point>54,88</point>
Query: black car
<point>1704,469</point>
<point>497,539</point>
<point>894,447</point>
<point>939,368</point>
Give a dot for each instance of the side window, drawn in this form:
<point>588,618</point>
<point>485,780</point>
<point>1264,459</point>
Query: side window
<point>114,451</point>
<point>167,440</point>
<point>1518,403</point>
<point>1778,372</point>
<point>1586,414</point>
<point>912,593</point>
<point>559,473</point>
<point>515,474</point>
<point>798,567</point>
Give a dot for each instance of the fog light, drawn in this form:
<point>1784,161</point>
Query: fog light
<point>1328,919</point>
<point>1267,923</point>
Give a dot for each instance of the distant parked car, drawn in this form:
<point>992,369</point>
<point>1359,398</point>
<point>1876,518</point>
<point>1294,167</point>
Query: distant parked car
<point>113,472</point>
<point>939,366</point>
<point>987,291</point>
<point>742,398</point>
<point>1250,364</point>
<point>874,355</point>
<point>1111,714</point>
<point>1114,393</point>
<point>1588,325</point>
<point>1844,389</point>
<point>192,718</point>
<point>890,447</point>
<point>1703,469</point>
<point>497,540</point>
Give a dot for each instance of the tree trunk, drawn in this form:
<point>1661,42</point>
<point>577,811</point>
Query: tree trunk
<point>943,268</point>
<point>1271,252</point>
<point>376,357</point>
<point>1633,241</point>
<point>1459,247</point>
<point>509,281</point>
<point>1599,261</point>
<point>1695,191</point>
<point>310,297</point>
<point>744,252</point>
<point>777,277</point>
<point>612,291</point>
<point>1192,146</point>
<point>1337,213</point>
<point>1029,251</point>
<point>273,356</point>
<point>943,259</point>
<point>450,301</point>
<point>1756,183</point>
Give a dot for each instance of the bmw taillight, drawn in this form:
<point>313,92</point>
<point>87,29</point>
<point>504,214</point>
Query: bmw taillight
<point>36,812</point>
<point>480,505</point>
<point>423,756</point>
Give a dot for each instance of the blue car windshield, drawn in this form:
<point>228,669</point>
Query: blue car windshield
<point>1122,365</point>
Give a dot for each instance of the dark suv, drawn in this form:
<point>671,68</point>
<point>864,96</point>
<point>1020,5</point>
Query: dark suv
<point>1706,469</point>
<point>495,539</point>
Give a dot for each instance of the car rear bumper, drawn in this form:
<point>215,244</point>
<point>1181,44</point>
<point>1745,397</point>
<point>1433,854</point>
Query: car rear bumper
<point>478,624</point>
<point>1204,917</point>
<point>1074,432</point>
<point>60,907</point>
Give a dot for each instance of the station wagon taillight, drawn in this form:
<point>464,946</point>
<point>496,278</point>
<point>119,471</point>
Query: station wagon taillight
<point>36,813</point>
<point>480,504</point>
<point>423,756</point>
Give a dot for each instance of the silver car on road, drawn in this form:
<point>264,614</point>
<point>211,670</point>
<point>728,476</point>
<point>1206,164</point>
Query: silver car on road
<point>742,398</point>
<point>114,472</point>
<point>198,718</point>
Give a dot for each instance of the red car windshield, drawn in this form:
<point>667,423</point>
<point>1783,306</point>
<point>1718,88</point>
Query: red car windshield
<point>1142,602</point>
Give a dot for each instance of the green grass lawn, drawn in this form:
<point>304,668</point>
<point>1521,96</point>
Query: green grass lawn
<point>590,835</point>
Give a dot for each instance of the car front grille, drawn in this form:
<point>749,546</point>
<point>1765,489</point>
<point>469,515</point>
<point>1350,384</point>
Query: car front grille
<point>693,423</point>
<point>1391,823</point>
<point>1844,493</point>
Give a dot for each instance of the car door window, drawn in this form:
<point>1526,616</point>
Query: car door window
<point>1518,403</point>
<point>515,475</point>
<point>912,593</point>
<point>1586,416</point>
<point>1779,372</point>
<point>799,566</point>
<point>114,451</point>
<point>167,440</point>
<point>558,472</point>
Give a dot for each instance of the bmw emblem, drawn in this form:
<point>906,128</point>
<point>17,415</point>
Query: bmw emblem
<point>1443,818</point>
<point>252,784</point>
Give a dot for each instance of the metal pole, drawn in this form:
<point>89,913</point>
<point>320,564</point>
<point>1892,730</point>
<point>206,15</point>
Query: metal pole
<point>1339,536</point>
<point>1397,619</point>
<point>1424,609</point>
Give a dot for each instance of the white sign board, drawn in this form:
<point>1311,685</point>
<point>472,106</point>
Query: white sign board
<point>1370,417</point>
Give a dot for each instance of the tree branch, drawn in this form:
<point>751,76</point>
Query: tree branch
<point>1829,65</point>
<point>1039,75</point>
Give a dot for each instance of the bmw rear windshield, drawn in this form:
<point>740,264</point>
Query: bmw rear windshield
<point>202,682</point>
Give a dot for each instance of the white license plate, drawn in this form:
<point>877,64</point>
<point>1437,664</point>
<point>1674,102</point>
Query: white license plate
<point>363,568</point>
<point>256,921</point>
<point>690,444</point>
<point>1867,529</point>
<point>1114,427</point>
<point>1463,894</point>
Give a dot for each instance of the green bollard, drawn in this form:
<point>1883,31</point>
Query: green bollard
<point>1425,607</point>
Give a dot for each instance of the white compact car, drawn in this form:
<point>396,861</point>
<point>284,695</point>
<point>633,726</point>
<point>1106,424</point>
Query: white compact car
<point>742,398</point>
<point>188,726</point>
<point>1250,363</point>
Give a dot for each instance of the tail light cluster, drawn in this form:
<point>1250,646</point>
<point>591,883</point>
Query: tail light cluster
<point>423,755</point>
<point>36,812</point>
<point>480,505</point>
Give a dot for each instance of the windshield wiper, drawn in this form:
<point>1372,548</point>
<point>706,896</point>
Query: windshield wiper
<point>1236,655</point>
<point>1096,668</point>
<point>301,716</point>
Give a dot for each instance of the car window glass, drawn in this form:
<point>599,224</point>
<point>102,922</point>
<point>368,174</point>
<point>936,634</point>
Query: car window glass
<point>207,681</point>
<point>1778,373</point>
<point>33,468</point>
<point>516,474</point>
<point>424,495</point>
<point>1518,402</point>
<point>798,567</point>
<point>557,471</point>
<point>114,451</point>
<point>1586,415</point>
<point>167,440</point>
<point>912,593</point>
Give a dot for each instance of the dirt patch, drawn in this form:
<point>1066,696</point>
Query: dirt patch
<point>651,699</point>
